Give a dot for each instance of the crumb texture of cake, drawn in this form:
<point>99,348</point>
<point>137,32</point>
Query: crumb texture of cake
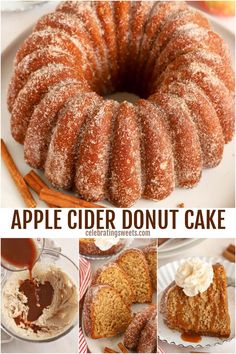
<point>203,314</point>
<point>150,253</point>
<point>113,275</point>
<point>132,336</point>
<point>165,52</point>
<point>134,263</point>
<point>87,246</point>
<point>105,314</point>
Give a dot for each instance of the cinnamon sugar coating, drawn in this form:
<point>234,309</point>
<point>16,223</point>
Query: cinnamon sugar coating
<point>85,12</point>
<point>215,90</point>
<point>187,156</point>
<point>156,152</point>
<point>175,21</point>
<point>133,334</point>
<point>148,338</point>
<point>92,166</point>
<point>62,153</point>
<point>206,120</point>
<point>125,173</point>
<point>43,121</point>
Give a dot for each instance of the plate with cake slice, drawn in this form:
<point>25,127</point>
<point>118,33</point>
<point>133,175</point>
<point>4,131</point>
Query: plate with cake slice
<point>119,309</point>
<point>196,302</point>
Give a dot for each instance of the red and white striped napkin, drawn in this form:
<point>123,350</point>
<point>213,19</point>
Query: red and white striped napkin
<point>160,350</point>
<point>85,276</point>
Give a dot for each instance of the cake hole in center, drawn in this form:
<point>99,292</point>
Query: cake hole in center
<point>123,96</point>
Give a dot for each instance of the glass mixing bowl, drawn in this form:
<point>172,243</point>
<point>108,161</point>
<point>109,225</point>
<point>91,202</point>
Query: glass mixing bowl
<point>40,243</point>
<point>48,257</point>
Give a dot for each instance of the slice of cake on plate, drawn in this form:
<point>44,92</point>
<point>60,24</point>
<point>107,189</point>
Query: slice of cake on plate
<point>196,302</point>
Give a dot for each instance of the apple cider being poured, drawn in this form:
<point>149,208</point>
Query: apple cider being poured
<point>39,299</point>
<point>23,253</point>
<point>19,252</point>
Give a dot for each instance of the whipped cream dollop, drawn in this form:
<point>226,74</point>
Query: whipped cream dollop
<point>194,276</point>
<point>105,243</point>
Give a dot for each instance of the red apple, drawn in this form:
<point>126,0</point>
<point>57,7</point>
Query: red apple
<point>220,8</point>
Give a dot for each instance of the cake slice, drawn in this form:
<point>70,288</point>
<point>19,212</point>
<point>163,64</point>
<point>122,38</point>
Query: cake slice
<point>203,314</point>
<point>150,253</point>
<point>148,337</point>
<point>104,313</point>
<point>134,263</point>
<point>135,328</point>
<point>111,274</point>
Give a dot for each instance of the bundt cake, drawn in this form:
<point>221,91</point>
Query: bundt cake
<point>163,51</point>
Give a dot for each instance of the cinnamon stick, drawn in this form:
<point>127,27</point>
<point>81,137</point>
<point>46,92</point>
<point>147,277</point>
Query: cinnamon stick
<point>36,183</point>
<point>109,350</point>
<point>17,177</point>
<point>122,348</point>
<point>229,256</point>
<point>231,248</point>
<point>63,200</point>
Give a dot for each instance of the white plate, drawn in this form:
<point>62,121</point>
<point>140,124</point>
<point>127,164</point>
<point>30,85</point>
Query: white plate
<point>98,345</point>
<point>180,248</point>
<point>174,243</point>
<point>166,275</point>
<point>207,194</point>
